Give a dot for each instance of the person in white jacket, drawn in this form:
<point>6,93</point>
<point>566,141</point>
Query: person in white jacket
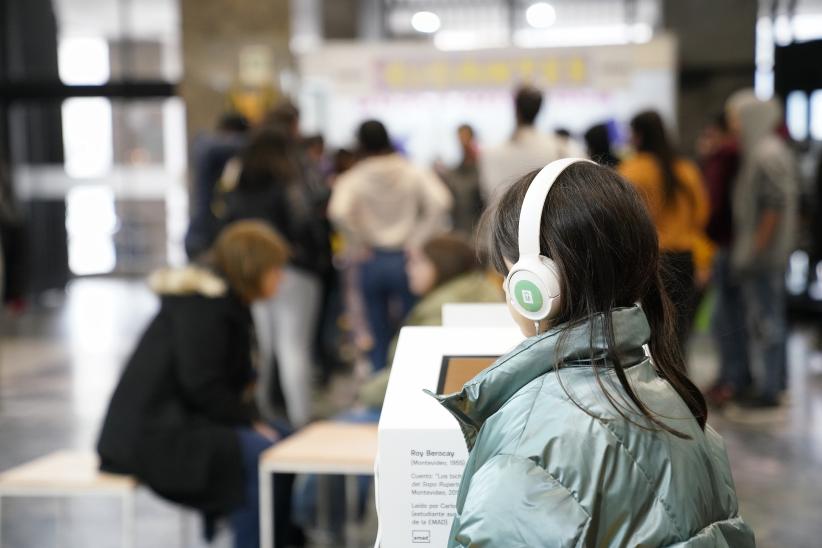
<point>381,206</point>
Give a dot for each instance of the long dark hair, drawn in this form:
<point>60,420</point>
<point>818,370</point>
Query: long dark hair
<point>597,230</point>
<point>652,138</point>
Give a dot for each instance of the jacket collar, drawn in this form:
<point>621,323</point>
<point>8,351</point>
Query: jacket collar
<point>567,344</point>
<point>190,280</point>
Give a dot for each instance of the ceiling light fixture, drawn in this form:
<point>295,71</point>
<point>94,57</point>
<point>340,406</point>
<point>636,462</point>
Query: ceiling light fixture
<point>426,22</point>
<point>541,15</point>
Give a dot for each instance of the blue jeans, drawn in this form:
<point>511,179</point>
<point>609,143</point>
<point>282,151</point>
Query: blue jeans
<point>767,324</point>
<point>387,299</point>
<point>729,327</point>
<point>245,520</point>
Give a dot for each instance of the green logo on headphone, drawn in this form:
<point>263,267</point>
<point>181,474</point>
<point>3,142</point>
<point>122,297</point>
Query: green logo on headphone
<point>528,296</point>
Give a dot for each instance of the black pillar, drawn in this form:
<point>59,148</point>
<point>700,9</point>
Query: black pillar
<point>31,134</point>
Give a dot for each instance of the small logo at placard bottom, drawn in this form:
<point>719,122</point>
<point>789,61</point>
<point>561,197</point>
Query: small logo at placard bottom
<point>421,537</point>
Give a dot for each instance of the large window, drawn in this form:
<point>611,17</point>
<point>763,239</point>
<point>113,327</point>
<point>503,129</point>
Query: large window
<point>781,23</point>
<point>140,39</point>
<point>91,121</point>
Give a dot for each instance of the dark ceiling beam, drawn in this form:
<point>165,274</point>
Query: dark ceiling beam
<point>38,91</point>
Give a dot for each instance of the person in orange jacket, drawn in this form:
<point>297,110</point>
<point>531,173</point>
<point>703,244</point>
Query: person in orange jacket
<point>675,196</point>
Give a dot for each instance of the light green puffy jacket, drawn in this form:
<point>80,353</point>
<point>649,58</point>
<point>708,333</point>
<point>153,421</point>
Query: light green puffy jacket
<point>543,472</point>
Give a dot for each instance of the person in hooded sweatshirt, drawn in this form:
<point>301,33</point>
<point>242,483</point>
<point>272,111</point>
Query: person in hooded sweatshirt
<point>182,419</point>
<point>765,203</point>
<point>381,206</point>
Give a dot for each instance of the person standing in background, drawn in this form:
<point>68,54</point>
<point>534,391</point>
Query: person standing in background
<point>720,165</point>
<point>316,155</point>
<point>348,266</point>
<point>765,205</point>
<point>382,205</point>
<point>268,189</point>
<point>598,144</point>
<point>463,182</point>
<point>210,154</point>
<point>318,174</point>
<point>568,146</point>
<point>527,149</point>
<point>312,178</point>
<point>342,161</point>
<point>674,193</point>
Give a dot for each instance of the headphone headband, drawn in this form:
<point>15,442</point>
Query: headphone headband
<point>530,217</point>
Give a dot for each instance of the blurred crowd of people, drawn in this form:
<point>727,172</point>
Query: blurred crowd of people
<point>318,259</point>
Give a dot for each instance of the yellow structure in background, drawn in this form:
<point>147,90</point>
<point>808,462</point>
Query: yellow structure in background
<point>253,102</point>
<point>408,75</point>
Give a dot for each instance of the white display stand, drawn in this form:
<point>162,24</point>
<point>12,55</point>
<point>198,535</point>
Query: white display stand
<point>422,451</point>
<point>476,315</point>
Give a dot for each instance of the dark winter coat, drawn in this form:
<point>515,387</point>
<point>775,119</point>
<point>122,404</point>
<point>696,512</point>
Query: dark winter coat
<point>172,419</point>
<point>211,153</point>
<point>288,208</point>
<point>720,170</point>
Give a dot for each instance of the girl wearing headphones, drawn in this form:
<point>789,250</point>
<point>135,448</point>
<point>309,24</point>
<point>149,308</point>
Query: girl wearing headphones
<point>589,433</point>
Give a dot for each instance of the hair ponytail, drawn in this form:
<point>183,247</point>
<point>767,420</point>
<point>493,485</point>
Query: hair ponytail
<point>666,353</point>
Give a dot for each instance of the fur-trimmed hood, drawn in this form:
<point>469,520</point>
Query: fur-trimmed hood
<point>188,280</point>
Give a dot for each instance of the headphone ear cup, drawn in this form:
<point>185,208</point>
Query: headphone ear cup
<point>525,291</point>
<point>533,288</point>
<point>550,277</point>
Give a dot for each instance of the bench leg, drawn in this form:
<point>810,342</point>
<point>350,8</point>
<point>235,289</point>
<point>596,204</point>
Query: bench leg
<point>266,509</point>
<point>129,519</point>
<point>324,504</point>
<point>352,501</point>
<point>185,530</point>
<point>61,521</point>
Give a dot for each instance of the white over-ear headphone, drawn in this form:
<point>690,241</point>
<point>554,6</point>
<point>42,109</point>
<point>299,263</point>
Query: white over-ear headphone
<point>533,284</point>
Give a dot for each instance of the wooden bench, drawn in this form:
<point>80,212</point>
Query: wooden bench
<point>71,474</point>
<point>335,448</point>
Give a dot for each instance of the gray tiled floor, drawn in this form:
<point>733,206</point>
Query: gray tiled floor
<point>777,457</point>
<point>58,364</point>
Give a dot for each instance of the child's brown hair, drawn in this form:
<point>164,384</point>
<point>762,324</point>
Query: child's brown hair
<point>244,252</point>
